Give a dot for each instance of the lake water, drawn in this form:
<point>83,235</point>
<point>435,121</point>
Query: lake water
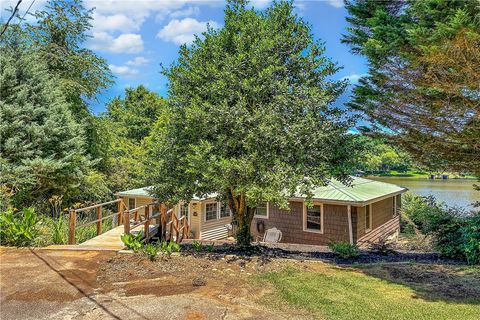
<point>454,192</point>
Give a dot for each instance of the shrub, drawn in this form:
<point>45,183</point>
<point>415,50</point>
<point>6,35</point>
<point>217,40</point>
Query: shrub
<point>168,247</point>
<point>132,242</point>
<point>455,232</point>
<point>151,250</point>
<point>197,246</point>
<point>471,240</point>
<point>19,229</point>
<point>344,250</point>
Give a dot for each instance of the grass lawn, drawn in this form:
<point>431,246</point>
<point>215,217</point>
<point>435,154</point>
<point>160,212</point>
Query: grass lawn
<point>378,292</point>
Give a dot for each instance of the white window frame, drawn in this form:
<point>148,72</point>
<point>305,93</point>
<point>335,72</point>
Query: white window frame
<point>205,211</point>
<point>368,228</point>
<point>220,205</point>
<point>135,199</point>
<point>322,213</point>
<point>268,212</point>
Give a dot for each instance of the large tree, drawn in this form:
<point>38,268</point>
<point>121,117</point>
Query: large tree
<point>251,115</point>
<point>423,84</point>
<point>41,145</point>
<point>58,35</point>
<point>124,127</point>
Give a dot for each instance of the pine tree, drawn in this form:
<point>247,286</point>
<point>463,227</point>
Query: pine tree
<point>41,145</point>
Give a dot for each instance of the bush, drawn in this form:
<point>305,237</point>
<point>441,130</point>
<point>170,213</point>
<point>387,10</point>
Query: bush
<point>344,250</point>
<point>168,247</point>
<point>132,242</point>
<point>151,250</point>
<point>19,229</point>
<point>455,232</point>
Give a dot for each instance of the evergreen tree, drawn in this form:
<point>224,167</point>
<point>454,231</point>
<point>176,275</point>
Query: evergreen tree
<point>424,81</point>
<point>41,145</point>
<point>250,116</point>
<point>58,35</point>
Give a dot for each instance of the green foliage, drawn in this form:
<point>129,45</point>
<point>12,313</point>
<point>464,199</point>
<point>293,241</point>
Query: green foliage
<point>379,156</point>
<point>456,233</point>
<point>471,240</point>
<point>210,247</point>
<point>423,81</point>
<point>19,229</point>
<point>135,114</point>
<point>344,250</point>
<point>152,250</point>
<point>133,242</point>
<point>58,34</point>
<point>251,116</point>
<point>42,150</point>
<point>59,230</point>
<point>197,246</point>
<point>167,248</point>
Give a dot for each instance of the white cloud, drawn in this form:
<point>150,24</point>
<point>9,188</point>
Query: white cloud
<point>123,71</point>
<point>259,4</point>
<point>116,22</point>
<point>138,61</point>
<point>335,3</point>
<point>188,12</point>
<point>183,31</point>
<point>353,78</point>
<point>124,43</point>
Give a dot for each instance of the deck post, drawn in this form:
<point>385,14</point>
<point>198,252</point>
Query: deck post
<point>72,220</point>
<point>120,206</point>
<point>146,225</point>
<point>126,222</point>
<point>99,222</point>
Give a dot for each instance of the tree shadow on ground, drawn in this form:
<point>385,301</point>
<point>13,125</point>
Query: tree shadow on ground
<point>431,282</point>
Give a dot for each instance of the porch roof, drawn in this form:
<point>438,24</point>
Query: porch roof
<point>361,191</point>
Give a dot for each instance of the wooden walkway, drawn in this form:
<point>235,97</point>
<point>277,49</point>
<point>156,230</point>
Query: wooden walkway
<point>107,241</point>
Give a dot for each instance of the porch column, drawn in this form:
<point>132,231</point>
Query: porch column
<point>350,227</point>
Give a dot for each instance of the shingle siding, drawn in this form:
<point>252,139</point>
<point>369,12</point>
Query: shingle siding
<point>290,222</point>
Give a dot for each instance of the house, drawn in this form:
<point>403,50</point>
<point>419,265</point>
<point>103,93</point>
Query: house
<point>361,213</point>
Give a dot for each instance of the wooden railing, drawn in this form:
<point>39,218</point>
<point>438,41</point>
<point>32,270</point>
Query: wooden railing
<point>169,226</point>
<point>72,217</point>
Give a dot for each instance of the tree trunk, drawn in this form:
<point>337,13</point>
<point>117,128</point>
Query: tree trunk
<point>242,216</point>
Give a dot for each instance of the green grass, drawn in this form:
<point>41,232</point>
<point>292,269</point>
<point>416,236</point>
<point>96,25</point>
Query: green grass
<point>338,293</point>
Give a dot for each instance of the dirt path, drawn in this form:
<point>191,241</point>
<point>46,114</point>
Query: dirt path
<point>46,284</point>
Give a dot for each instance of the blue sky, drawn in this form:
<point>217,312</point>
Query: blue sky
<point>136,36</point>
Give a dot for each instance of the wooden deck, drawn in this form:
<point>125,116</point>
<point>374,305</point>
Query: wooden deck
<point>108,241</point>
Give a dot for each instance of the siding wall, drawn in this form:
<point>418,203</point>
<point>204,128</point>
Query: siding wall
<point>140,201</point>
<point>383,220</point>
<point>290,222</point>
<point>212,229</point>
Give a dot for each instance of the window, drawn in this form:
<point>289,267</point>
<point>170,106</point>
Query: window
<point>314,218</point>
<point>368,218</point>
<point>262,210</point>
<point>183,210</point>
<point>225,211</point>
<point>210,211</point>
<point>132,203</point>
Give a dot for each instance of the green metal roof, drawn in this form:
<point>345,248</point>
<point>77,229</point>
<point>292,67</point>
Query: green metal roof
<point>361,190</point>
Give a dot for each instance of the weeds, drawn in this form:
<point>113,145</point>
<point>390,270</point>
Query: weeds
<point>19,229</point>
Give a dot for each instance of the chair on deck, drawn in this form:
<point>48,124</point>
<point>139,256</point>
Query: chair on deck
<point>272,235</point>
